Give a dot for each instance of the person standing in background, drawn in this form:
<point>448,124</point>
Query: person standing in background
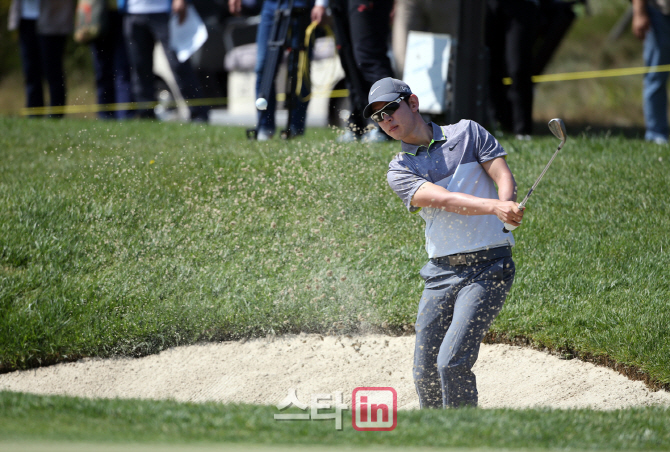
<point>43,26</point>
<point>112,69</point>
<point>368,26</point>
<point>145,22</point>
<point>651,22</point>
<point>207,61</point>
<point>266,124</point>
<point>510,35</point>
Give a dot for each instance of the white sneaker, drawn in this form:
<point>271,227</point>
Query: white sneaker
<point>374,136</point>
<point>263,135</point>
<point>347,137</point>
<point>660,141</point>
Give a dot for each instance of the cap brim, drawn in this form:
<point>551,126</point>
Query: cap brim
<point>384,98</point>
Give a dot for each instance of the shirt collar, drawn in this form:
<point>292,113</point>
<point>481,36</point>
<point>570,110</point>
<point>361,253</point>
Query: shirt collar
<point>438,135</point>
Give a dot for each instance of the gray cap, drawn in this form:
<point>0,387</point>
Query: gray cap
<point>385,90</point>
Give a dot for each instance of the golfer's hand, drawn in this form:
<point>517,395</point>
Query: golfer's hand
<point>509,213</point>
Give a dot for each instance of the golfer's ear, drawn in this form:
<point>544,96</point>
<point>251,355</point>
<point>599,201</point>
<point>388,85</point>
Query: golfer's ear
<point>413,102</point>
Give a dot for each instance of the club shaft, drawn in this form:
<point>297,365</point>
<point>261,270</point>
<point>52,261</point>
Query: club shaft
<point>523,203</point>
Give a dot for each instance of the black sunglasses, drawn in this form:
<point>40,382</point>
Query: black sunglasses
<point>387,109</point>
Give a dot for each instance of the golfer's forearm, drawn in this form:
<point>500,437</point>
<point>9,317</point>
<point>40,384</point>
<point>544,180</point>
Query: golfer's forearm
<point>467,204</point>
<point>507,190</point>
<point>498,170</point>
<point>430,195</point>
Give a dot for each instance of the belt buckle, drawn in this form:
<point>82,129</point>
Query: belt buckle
<point>457,259</point>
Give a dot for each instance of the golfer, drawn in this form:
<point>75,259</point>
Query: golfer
<point>449,175</point>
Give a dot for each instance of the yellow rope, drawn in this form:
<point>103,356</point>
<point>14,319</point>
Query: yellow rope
<point>594,74</point>
<point>36,111</point>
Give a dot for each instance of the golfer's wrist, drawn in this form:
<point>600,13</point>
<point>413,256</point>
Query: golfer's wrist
<point>495,206</point>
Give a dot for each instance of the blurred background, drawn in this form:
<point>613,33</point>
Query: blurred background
<point>592,43</point>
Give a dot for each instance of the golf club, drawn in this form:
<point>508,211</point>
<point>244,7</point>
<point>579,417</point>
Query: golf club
<point>558,129</point>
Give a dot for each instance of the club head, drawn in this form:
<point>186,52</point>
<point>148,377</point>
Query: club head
<point>558,129</point>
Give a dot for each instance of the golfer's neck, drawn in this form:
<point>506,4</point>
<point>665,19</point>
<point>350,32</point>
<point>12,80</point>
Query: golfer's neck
<point>422,134</point>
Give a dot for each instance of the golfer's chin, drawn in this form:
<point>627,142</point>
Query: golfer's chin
<point>393,131</point>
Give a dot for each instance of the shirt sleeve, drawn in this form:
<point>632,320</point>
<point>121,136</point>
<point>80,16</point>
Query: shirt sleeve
<point>404,181</point>
<point>488,147</point>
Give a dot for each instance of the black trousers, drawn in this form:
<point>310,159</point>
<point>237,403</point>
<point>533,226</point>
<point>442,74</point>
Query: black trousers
<point>369,27</point>
<point>141,32</point>
<point>510,35</point>
<point>112,68</point>
<point>42,58</point>
<point>370,30</point>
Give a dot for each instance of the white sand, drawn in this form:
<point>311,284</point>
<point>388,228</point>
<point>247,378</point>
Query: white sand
<point>263,370</point>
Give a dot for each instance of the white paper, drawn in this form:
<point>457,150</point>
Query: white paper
<point>186,38</point>
<point>426,67</point>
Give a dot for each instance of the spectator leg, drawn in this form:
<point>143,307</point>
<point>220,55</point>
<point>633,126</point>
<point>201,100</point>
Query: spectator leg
<point>31,62</point>
<point>520,36</point>
<point>656,52</point>
<point>183,72</point>
<point>140,46</point>
<point>370,30</point>
<point>266,118</point>
<point>52,49</point>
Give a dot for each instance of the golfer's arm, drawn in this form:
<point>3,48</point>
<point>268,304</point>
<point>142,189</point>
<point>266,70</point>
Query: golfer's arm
<point>498,170</point>
<point>431,195</point>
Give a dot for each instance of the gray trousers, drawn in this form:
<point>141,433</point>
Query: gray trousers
<point>458,306</point>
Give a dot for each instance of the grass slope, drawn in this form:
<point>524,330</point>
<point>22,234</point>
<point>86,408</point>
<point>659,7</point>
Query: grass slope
<point>128,238</point>
<point>47,419</point>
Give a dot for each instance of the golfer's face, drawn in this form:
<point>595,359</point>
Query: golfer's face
<point>394,123</point>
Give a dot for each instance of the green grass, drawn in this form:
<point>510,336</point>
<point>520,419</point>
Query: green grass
<point>128,238</point>
<point>594,254</point>
<point>611,101</point>
<point>56,419</point>
<point>104,252</point>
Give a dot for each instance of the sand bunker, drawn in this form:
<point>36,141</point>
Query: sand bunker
<point>263,370</point>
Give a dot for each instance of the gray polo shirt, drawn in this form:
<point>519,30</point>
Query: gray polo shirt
<point>453,161</point>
